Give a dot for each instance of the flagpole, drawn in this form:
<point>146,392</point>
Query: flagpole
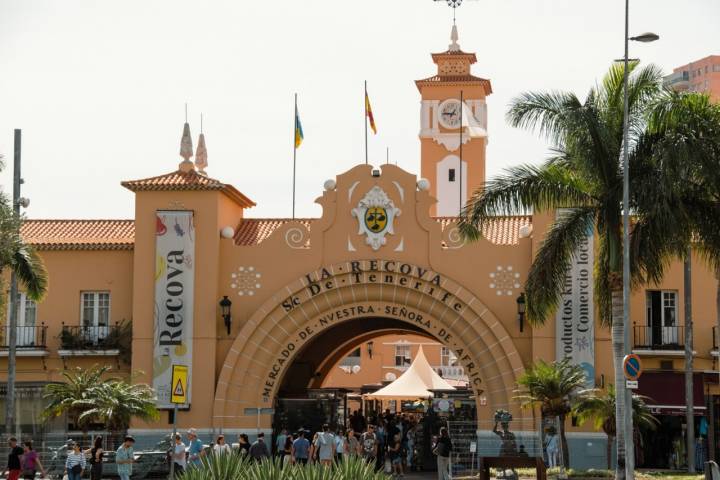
<point>461,139</point>
<point>365,102</point>
<point>294,137</point>
<point>387,155</point>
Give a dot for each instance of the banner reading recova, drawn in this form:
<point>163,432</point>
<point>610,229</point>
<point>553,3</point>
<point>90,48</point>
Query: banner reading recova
<point>174,282</point>
<point>575,317</point>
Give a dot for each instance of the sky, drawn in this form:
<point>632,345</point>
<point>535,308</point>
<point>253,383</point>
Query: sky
<point>99,88</point>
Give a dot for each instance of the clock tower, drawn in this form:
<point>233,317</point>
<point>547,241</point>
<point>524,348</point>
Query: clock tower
<point>441,125</point>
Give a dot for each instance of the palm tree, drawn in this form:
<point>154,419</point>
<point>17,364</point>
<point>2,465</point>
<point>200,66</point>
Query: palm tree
<point>553,387</point>
<point>21,260</point>
<point>88,398</point>
<point>583,181</point>
<point>599,406</point>
<point>689,155</point>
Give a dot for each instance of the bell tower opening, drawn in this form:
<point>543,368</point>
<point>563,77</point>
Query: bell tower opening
<point>446,123</point>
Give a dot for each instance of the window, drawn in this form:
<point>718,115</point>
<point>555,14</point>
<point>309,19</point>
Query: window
<point>707,68</point>
<point>716,68</point>
<point>402,355</point>
<point>26,320</point>
<point>352,359</point>
<point>447,357</point>
<point>95,313</point>
<point>451,175</point>
<point>661,315</point>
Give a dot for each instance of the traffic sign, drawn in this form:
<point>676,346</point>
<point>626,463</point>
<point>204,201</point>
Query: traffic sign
<point>632,367</point>
<point>631,384</point>
<point>179,393</point>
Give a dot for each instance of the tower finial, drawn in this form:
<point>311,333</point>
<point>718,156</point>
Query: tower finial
<point>186,147</point>
<point>454,46</point>
<point>201,153</point>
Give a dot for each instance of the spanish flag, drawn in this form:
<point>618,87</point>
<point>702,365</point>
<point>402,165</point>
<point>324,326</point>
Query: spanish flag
<point>298,130</point>
<point>368,112</point>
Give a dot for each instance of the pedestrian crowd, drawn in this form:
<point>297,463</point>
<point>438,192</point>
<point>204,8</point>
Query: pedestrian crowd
<point>386,442</point>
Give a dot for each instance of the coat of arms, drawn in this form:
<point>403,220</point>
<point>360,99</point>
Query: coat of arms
<point>375,214</point>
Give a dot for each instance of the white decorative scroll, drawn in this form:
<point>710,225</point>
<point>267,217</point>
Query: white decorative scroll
<point>575,317</point>
<point>174,285</point>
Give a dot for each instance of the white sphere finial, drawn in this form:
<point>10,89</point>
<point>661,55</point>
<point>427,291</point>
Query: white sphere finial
<point>329,185</point>
<point>423,184</point>
<point>227,232</point>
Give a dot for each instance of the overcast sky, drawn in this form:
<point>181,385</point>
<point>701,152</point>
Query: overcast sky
<point>99,87</point>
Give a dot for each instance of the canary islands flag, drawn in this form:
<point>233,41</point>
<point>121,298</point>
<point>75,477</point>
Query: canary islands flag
<point>368,112</point>
<point>298,130</point>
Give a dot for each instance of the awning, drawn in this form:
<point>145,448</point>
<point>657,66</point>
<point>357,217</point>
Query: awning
<point>666,392</point>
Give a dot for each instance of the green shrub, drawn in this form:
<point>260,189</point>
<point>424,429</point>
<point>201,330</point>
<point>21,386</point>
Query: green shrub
<point>237,467</point>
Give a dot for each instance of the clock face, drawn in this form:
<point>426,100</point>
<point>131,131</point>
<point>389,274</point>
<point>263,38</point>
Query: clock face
<point>450,113</point>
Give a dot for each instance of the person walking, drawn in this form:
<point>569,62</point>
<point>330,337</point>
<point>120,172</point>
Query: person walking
<point>552,447</point>
<point>244,444</point>
<point>352,444</point>
<point>124,458</point>
<point>369,445</point>
<point>340,446</point>
<point>395,455</point>
<point>325,445</point>
<point>31,463</point>
<point>96,459</point>
<point>442,449</point>
<point>301,449</point>
<point>280,442</point>
<point>259,450</point>
<point>75,463</point>
<point>287,450</point>
<point>195,448</point>
<point>14,468</point>
<point>179,455</point>
<point>220,446</point>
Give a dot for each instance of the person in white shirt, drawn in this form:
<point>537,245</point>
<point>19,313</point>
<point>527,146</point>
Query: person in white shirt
<point>220,446</point>
<point>179,456</point>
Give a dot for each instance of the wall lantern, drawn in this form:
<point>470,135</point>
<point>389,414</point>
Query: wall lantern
<point>370,345</point>
<point>521,309</point>
<point>225,305</point>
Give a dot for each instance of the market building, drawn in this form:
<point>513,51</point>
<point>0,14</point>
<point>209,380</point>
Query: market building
<point>385,260</point>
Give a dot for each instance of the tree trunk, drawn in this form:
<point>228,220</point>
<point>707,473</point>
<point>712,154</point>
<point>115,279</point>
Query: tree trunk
<point>12,355</point>
<point>689,401</point>
<point>608,452</point>
<point>563,441</point>
<point>618,344</point>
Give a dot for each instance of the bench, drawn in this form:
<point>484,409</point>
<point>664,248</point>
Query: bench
<point>486,463</point>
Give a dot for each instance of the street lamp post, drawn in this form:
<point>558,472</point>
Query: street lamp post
<point>628,423</point>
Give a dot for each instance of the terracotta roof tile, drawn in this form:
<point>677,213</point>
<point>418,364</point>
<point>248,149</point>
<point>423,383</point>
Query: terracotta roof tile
<point>183,181</point>
<point>456,80</point>
<point>79,234</point>
<point>252,231</point>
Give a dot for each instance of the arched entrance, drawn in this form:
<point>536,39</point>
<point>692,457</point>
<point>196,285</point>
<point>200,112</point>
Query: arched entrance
<point>263,352</point>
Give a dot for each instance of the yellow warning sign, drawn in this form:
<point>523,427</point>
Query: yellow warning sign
<point>179,384</point>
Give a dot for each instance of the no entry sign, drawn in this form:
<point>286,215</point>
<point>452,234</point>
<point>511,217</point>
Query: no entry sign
<point>632,367</point>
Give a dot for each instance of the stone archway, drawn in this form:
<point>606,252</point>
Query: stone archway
<point>269,341</point>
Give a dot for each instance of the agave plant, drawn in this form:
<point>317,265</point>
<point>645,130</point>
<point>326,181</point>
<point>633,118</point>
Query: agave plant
<point>239,467</point>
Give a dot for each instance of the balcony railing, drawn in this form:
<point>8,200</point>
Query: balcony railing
<point>90,337</point>
<point>30,337</point>
<point>659,338</point>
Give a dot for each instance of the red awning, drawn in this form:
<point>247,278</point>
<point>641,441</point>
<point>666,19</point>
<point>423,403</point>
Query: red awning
<point>666,392</point>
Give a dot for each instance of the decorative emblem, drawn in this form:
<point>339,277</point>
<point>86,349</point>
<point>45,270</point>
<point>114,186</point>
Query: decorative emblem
<point>504,280</point>
<point>246,281</point>
<point>375,213</point>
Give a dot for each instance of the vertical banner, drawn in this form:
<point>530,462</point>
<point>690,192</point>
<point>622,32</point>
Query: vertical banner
<point>174,285</point>
<point>575,317</point>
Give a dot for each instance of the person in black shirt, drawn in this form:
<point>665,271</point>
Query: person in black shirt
<point>442,449</point>
<point>13,466</point>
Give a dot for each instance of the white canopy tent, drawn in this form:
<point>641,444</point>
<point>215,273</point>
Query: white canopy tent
<point>415,382</point>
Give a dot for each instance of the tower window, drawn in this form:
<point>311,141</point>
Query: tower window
<point>451,175</point>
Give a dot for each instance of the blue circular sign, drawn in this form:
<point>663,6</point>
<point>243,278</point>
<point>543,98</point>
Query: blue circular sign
<point>632,367</point>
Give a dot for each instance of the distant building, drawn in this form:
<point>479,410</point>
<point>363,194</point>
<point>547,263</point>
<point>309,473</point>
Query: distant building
<point>700,76</point>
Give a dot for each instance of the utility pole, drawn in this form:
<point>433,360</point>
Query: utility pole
<point>12,321</point>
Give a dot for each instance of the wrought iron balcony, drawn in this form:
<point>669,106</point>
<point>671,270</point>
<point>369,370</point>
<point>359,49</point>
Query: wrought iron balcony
<point>90,337</point>
<point>659,338</point>
<point>28,337</point>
